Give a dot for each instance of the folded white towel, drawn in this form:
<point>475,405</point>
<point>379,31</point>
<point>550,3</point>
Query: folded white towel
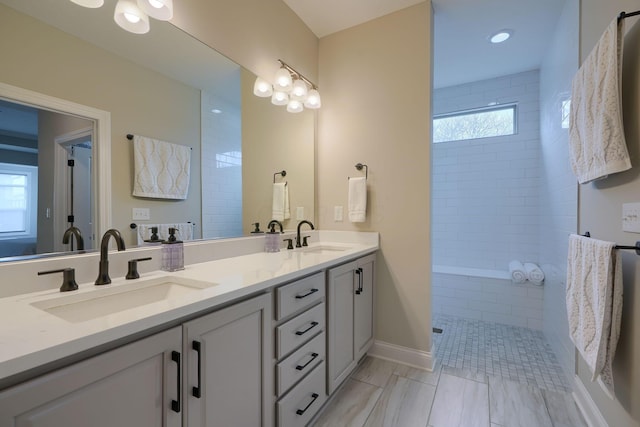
<point>161,169</point>
<point>594,303</point>
<point>357,199</point>
<point>517,272</point>
<point>597,145</point>
<point>534,273</point>
<point>184,231</point>
<point>280,202</point>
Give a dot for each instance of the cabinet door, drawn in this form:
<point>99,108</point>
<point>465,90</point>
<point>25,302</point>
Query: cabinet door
<point>231,371</point>
<point>133,385</point>
<point>363,307</point>
<point>340,294</point>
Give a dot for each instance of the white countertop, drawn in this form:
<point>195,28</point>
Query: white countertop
<point>31,337</point>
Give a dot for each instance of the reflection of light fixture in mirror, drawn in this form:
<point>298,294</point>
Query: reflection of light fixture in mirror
<point>89,3</point>
<point>289,86</point>
<point>129,17</point>
<point>262,88</point>
<point>161,10</point>
<point>500,36</point>
<point>216,111</point>
<point>279,98</point>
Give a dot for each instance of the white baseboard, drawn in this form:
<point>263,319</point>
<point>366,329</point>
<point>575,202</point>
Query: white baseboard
<point>404,355</point>
<point>587,406</point>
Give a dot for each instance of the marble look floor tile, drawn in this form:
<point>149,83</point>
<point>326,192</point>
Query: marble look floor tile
<point>460,402</point>
<point>374,371</point>
<point>517,405</point>
<point>351,406</point>
<point>469,374</point>
<point>404,403</point>
<point>418,374</point>
<point>562,409</point>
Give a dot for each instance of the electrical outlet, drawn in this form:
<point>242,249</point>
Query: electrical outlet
<point>141,214</point>
<point>338,212</point>
<point>300,213</point>
<point>631,217</point>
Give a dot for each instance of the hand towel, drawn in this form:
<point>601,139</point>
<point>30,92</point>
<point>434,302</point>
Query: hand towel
<point>534,273</point>
<point>517,272</point>
<point>594,303</point>
<point>357,199</point>
<point>280,202</point>
<point>597,144</point>
<point>184,231</point>
<point>161,169</point>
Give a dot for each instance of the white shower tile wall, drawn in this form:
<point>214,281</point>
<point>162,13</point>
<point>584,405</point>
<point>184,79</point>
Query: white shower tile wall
<point>488,299</point>
<point>486,209</point>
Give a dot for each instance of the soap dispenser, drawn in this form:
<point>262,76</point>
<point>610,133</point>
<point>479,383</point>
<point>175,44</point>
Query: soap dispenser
<point>272,237</point>
<point>172,253</point>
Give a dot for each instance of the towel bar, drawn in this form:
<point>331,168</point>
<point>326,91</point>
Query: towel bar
<point>624,15</point>
<point>636,247</point>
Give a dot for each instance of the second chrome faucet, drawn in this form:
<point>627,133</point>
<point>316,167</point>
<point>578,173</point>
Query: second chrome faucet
<point>103,274</point>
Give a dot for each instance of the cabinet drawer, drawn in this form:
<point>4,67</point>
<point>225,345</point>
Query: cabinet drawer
<point>304,400</point>
<point>300,363</point>
<point>298,295</point>
<point>299,330</point>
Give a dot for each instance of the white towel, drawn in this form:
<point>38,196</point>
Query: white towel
<point>517,272</point>
<point>534,273</point>
<point>280,202</point>
<point>597,145</point>
<point>357,199</point>
<point>184,231</point>
<point>161,169</point>
<point>594,303</point>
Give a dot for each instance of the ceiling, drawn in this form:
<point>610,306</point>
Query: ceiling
<point>462,52</point>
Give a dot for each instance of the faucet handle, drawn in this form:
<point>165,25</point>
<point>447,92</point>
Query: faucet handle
<point>304,240</point>
<point>132,272</point>
<point>289,243</point>
<point>68,278</point>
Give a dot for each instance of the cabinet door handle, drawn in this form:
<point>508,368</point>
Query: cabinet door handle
<point>361,279</point>
<point>312,291</point>
<point>313,325</point>
<point>314,396</point>
<point>313,357</point>
<point>358,271</point>
<point>175,404</point>
<point>196,391</point>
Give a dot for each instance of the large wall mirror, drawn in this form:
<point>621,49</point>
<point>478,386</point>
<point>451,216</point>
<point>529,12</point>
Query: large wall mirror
<point>164,85</point>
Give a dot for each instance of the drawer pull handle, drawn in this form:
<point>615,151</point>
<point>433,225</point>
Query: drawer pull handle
<point>175,404</point>
<point>314,396</point>
<point>312,291</point>
<point>313,357</point>
<point>196,390</point>
<point>313,325</point>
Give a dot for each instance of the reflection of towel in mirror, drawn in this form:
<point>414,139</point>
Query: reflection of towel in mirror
<point>280,205</point>
<point>184,231</point>
<point>357,199</point>
<point>161,169</point>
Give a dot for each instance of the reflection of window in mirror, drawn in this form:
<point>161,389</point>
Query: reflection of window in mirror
<point>18,207</point>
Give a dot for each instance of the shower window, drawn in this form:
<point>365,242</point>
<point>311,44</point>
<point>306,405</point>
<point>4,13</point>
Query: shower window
<point>474,124</point>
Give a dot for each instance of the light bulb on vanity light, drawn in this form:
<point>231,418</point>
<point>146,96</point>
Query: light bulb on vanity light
<point>295,106</point>
<point>279,98</point>
<point>262,88</point>
<point>313,100</point>
<point>283,80</point>
<point>161,10</point>
<point>93,4</point>
<point>299,90</point>
<point>129,17</point>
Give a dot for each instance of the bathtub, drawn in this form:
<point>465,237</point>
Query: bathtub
<point>488,295</point>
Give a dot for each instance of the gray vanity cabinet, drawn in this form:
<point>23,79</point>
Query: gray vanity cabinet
<point>350,299</point>
<point>228,364</point>
<point>134,385</point>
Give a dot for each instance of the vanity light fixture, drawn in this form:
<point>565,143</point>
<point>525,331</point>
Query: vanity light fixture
<point>93,4</point>
<point>161,10</point>
<point>290,88</point>
<point>129,17</point>
<point>500,36</point>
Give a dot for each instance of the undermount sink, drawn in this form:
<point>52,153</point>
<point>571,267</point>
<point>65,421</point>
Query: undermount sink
<point>325,249</point>
<point>109,300</point>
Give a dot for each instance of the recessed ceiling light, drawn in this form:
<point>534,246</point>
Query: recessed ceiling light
<point>216,111</point>
<point>500,36</point>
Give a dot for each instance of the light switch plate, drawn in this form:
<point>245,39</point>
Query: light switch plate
<point>141,213</point>
<point>300,213</point>
<point>338,212</point>
<point>631,217</point>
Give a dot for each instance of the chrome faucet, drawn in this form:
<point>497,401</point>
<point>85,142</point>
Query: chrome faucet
<point>73,231</point>
<point>298,239</point>
<point>103,274</point>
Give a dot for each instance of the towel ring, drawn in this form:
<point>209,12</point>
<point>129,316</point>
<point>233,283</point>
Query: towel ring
<point>359,166</point>
<point>283,173</point>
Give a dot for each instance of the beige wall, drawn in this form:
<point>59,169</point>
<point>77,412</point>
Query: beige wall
<point>376,83</point>
<point>600,212</point>
<point>57,64</point>
<point>274,140</point>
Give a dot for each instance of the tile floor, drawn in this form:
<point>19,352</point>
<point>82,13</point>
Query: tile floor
<point>383,393</point>
<point>511,352</point>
